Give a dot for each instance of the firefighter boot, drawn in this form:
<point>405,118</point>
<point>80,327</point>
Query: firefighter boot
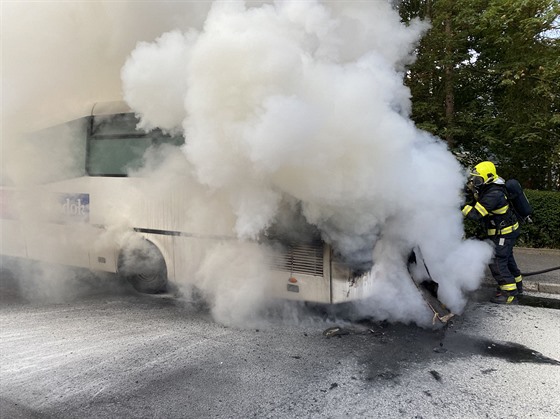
<point>506,295</point>
<point>519,284</point>
<point>505,298</point>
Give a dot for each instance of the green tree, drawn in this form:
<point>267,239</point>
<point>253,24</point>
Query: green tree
<point>487,80</point>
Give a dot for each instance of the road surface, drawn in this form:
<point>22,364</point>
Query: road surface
<point>123,354</point>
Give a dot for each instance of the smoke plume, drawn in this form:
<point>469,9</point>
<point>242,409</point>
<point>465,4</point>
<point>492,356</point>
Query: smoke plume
<point>306,101</point>
<point>291,110</point>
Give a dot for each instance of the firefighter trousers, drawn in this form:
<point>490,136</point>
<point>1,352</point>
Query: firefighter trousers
<point>503,265</point>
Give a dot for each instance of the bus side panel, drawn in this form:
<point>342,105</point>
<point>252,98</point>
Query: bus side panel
<point>359,288</point>
<point>190,253</point>
<point>305,283</point>
<point>12,242</point>
<point>307,288</point>
<point>12,239</point>
<point>103,253</point>
<point>60,243</point>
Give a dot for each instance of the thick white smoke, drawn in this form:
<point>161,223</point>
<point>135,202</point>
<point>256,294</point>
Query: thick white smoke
<point>305,101</point>
<point>296,105</point>
<point>58,58</point>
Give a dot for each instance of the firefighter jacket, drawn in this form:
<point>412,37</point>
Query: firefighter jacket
<point>493,209</point>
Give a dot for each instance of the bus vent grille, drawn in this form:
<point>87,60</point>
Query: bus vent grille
<point>301,258</point>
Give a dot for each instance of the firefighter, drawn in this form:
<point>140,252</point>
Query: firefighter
<point>490,205</point>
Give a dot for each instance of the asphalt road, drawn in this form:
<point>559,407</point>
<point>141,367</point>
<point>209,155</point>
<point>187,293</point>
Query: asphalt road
<point>120,354</point>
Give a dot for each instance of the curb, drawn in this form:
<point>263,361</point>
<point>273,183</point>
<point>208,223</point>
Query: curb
<point>537,250</point>
<point>548,288</point>
<point>544,287</point>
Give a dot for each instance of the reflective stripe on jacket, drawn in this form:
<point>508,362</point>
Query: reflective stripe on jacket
<point>493,209</point>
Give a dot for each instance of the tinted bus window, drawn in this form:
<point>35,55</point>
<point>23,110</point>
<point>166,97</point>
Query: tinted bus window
<point>116,156</point>
<point>115,125</point>
<point>116,147</point>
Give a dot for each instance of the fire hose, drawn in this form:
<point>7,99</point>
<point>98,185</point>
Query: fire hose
<point>540,272</point>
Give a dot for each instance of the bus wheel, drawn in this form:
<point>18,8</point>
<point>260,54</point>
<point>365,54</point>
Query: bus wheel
<point>143,266</point>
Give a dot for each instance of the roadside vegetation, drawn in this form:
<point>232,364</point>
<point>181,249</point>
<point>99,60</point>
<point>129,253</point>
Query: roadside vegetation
<point>544,231</point>
<point>487,81</point>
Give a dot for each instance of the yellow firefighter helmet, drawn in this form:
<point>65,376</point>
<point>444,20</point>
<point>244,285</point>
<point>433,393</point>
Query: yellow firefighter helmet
<point>484,172</point>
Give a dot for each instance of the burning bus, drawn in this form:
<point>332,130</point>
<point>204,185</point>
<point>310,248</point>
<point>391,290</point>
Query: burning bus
<point>70,219</point>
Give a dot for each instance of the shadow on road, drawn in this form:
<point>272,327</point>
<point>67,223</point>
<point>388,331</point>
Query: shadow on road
<point>540,302</point>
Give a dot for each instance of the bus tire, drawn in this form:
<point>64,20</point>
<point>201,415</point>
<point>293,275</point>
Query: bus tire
<point>143,266</point>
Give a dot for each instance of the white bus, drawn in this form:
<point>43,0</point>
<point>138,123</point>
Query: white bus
<point>72,220</point>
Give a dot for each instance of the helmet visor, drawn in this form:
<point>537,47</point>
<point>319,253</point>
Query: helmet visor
<point>476,179</point>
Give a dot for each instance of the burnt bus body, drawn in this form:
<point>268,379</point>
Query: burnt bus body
<point>99,212</point>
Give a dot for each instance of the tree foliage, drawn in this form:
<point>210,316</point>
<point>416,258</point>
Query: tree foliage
<point>487,80</point>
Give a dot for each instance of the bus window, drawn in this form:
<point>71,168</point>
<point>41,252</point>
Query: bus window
<point>115,125</point>
<point>116,146</point>
<point>115,156</point>
<point>48,155</point>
